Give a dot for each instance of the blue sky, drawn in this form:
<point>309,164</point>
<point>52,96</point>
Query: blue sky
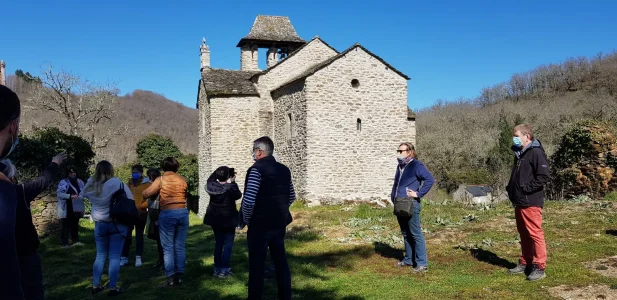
<point>450,49</point>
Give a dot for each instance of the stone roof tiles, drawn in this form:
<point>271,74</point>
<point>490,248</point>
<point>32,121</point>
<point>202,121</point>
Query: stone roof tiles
<point>272,29</point>
<point>221,82</point>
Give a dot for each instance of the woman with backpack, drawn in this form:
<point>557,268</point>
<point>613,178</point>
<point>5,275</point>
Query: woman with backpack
<point>222,215</point>
<point>108,234</point>
<point>173,219</point>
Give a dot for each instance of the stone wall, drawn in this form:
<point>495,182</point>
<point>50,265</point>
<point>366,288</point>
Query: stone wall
<point>290,132</point>
<point>44,217</point>
<point>344,163</point>
<point>205,166</point>
<point>249,58</point>
<point>234,127</point>
<point>315,52</point>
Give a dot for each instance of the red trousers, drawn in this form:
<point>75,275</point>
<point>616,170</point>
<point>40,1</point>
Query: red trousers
<point>529,225</point>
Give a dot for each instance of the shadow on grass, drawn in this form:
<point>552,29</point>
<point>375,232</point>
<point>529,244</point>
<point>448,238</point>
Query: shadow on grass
<point>611,232</point>
<point>68,272</point>
<point>491,258</point>
<point>387,251</point>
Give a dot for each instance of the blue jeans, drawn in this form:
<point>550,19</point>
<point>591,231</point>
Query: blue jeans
<point>109,238</point>
<point>415,246</point>
<point>173,228</point>
<point>258,244</point>
<point>224,238</point>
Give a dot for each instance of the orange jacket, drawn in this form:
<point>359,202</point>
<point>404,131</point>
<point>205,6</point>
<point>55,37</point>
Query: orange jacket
<point>171,188</point>
<point>140,202</point>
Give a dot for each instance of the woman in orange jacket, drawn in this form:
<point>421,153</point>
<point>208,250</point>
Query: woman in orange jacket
<point>137,184</point>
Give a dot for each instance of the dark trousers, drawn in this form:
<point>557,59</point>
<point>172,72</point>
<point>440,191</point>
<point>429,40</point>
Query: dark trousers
<point>258,243</point>
<point>139,236</point>
<point>31,276</point>
<point>70,226</point>
<point>224,243</point>
<point>159,246</point>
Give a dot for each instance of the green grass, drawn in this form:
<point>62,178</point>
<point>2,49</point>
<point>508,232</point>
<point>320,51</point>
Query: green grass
<point>348,252</point>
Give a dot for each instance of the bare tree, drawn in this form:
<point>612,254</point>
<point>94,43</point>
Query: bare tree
<point>85,108</point>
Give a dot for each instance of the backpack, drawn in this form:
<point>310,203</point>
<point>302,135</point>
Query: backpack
<point>122,209</point>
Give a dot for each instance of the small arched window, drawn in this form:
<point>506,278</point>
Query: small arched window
<point>359,125</point>
<point>355,83</point>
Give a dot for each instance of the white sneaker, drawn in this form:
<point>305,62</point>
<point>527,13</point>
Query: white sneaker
<point>138,261</point>
<point>124,261</point>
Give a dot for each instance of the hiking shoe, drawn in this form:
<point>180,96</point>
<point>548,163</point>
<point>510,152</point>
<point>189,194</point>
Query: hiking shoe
<point>138,261</point>
<point>115,292</point>
<point>124,261</point>
<point>536,274</point>
<point>520,268</point>
<point>420,269</point>
<point>78,244</point>
<point>96,289</point>
<point>178,279</point>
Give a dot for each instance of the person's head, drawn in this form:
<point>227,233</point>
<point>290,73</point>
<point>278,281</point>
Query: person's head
<point>103,172</point>
<point>406,150</point>
<point>153,174</point>
<point>71,172</point>
<point>137,172</point>
<point>170,164</point>
<point>9,121</point>
<point>522,135</point>
<point>262,147</point>
<point>222,174</point>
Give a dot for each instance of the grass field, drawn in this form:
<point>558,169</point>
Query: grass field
<point>348,252</point>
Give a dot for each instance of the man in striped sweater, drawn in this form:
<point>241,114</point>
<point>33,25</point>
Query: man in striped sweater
<point>268,193</point>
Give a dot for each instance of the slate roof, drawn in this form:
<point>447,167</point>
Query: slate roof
<point>327,62</point>
<point>220,82</point>
<point>478,190</point>
<point>411,115</point>
<point>272,29</point>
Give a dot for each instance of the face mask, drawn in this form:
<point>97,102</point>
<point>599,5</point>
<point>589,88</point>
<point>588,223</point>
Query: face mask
<point>13,145</point>
<point>136,176</point>
<point>517,141</point>
<point>400,157</point>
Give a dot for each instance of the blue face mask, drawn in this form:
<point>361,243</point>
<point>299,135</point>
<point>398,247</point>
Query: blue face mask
<point>13,145</point>
<point>136,176</point>
<point>253,155</point>
<point>517,141</point>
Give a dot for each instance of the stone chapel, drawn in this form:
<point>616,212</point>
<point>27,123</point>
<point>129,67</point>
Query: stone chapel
<point>336,117</point>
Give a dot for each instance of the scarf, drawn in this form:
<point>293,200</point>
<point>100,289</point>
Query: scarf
<point>75,186</point>
<point>404,162</point>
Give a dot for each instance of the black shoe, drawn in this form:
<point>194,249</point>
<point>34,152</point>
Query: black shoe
<point>96,289</point>
<point>115,292</point>
<point>178,279</point>
<point>169,282</point>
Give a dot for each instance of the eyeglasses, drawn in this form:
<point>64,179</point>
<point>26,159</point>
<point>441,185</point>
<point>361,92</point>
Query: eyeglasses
<point>401,151</point>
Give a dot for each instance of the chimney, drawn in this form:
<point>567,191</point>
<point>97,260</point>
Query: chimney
<point>2,73</point>
<point>204,55</point>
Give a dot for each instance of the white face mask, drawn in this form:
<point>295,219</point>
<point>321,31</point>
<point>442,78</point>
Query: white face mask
<point>400,157</point>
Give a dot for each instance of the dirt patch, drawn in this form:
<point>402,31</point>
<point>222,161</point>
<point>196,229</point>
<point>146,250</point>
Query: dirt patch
<point>591,292</point>
<point>605,266</point>
<point>449,236</point>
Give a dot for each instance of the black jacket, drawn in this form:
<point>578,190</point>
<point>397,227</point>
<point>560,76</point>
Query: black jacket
<point>271,210</point>
<point>222,211</point>
<point>530,174</point>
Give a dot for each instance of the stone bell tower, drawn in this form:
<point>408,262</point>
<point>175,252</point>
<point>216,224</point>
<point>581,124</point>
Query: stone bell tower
<point>204,54</point>
<point>270,32</point>
<point>2,73</point>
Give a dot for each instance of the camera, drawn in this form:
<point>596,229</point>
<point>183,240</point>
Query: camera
<point>232,172</point>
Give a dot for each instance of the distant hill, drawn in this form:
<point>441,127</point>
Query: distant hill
<point>454,138</point>
<point>143,112</point>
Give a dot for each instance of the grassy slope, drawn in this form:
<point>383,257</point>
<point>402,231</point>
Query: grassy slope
<point>348,253</point>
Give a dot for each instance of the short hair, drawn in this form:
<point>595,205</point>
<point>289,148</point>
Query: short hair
<point>525,129</point>
<point>153,173</point>
<point>137,167</point>
<point>264,143</point>
<point>410,147</point>
<point>11,108</point>
<point>222,173</point>
<point>170,164</point>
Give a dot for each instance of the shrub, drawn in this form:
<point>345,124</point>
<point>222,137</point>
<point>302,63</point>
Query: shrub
<point>152,149</point>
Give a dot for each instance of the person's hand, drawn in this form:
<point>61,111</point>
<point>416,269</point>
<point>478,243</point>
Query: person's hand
<point>59,159</point>
<point>75,197</point>
<point>232,179</point>
<point>412,194</point>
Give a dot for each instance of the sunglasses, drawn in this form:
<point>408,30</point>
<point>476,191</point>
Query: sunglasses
<point>401,151</point>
